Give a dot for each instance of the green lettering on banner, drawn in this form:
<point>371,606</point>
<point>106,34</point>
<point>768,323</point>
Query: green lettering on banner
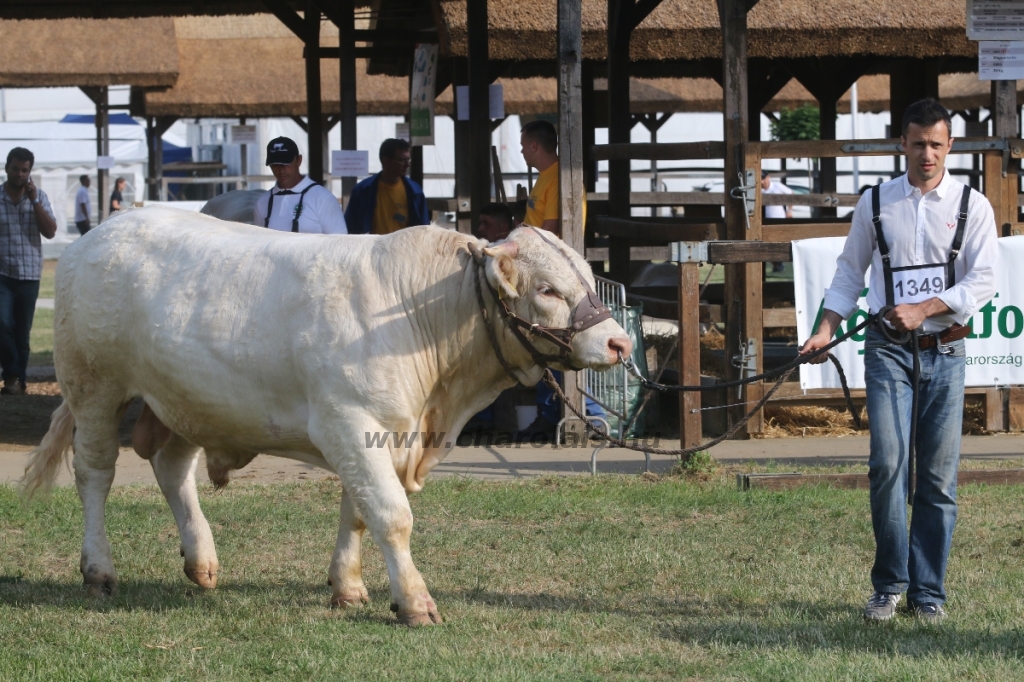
<point>1018,322</point>
<point>856,319</point>
<point>986,320</point>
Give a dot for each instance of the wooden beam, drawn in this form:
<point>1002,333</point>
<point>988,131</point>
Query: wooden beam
<point>787,233</point>
<point>344,18</point>
<point>748,251</point>
<point>733,18</point>
<point>479,106</point>
<point>314,103</point>
<point>860,481</point>
<point>779,317</point>
<point>689,354</point>
<point>572,193</point>
<point>289,17</point>
<point>995,409</point>
<point>635,229</point>
<point>661,151</point>
<point>620,28</point>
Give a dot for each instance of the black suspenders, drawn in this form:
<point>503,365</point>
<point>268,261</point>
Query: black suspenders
<point>883,247</point>
<point>298,209</point>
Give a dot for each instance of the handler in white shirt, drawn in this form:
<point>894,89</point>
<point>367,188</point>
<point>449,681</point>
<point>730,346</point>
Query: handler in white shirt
<point>296,203</point>
<point>919,218</point>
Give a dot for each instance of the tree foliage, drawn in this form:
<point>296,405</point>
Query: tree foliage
<point>799,124</point>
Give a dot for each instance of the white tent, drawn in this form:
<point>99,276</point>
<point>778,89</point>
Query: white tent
<point>64,151</point>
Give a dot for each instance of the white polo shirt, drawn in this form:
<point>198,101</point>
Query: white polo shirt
<point>321,212</point>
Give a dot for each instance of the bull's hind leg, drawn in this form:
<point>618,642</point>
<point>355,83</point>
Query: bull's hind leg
<point>96,449</point>
<point>175,469</point>
<point>346,576</point>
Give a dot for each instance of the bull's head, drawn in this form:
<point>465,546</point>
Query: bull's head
<point>550,286</point>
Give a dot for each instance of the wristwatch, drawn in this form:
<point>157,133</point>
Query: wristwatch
<point>35,201</point>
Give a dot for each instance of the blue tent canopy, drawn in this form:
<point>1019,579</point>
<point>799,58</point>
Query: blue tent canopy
<point>115,119</point>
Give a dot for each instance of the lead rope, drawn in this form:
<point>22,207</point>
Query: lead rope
<point>783,373</point>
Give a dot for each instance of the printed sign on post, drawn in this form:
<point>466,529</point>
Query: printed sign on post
<point>402,131</point>
<point>424,86</point>
<point>995,20</point>
<point>104,162</point>
<point>350,163</point>
<point>1001,60</point>
<point>496,101</point>
<point>243,134</point>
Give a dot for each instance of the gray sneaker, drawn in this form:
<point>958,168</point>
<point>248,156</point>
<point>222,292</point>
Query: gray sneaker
<point>929,613</point>
<point>881,606</point>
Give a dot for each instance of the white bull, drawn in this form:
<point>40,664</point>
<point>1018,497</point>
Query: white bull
<point>242,340</point>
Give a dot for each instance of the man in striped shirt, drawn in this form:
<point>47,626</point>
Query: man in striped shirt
<point>25,217</point>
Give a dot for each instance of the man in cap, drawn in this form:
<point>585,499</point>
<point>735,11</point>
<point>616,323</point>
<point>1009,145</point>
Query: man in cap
<point>390,200</point>
<point>296,203</point>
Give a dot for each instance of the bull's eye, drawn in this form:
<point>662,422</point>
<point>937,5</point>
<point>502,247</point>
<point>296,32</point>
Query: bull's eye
<point>546,291</point>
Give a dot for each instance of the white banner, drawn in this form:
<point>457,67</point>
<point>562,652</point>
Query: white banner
<point>995,349</point>
<point>424,84</point>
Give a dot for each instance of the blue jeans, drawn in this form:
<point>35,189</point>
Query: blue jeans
<point>17,308</point>
<point>549,407</point>
<point>918,563</point>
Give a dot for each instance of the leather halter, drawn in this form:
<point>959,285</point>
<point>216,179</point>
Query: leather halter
<point>588,312</point>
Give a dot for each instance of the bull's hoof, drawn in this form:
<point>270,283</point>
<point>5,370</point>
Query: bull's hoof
<point>418,618</point>
<point>102,587</point>
<point>204,578</point>
<point>415,620</point>
<point>352,597</point>
<point>98,582</point>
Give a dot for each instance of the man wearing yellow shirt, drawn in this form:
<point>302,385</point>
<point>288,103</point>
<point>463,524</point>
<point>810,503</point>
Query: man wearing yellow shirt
<point>540,149</point>
<point>390,200</point>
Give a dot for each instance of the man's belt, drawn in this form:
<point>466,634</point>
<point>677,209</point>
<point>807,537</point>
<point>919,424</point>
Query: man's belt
<point>948,335</point>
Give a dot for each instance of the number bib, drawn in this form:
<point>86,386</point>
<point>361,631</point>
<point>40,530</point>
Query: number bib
<point>918,283</point>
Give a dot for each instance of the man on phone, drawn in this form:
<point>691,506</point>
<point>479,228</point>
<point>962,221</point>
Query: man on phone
<point>25,217</point>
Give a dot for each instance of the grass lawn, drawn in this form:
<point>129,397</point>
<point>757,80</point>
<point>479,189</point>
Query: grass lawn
<point>553,579</point>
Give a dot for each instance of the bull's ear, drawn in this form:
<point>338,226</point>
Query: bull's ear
<point>501,268</point>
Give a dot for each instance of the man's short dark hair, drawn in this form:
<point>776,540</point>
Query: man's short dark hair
<point>500,211</point>
<point>392,145</point>
<point>543,133</point>
<point>926,113</point>
<point>21,154</point>
<point>83,178</point>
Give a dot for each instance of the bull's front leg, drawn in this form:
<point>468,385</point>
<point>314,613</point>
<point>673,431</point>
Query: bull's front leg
<point>368,474</point>
<point>346,576</point>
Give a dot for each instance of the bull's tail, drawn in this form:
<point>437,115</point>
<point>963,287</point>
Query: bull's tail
<point>45,460</point>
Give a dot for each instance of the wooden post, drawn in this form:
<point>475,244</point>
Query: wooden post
<point>479,104</point>
<point>620,28</point>
<point>570,147</point>
<point>753,311</point>
<point>102,121</point>
<point>463,165</point>
<point>909,81</point>
<point>827,131</point>
<point>1005,125</point>
<point>733,16</point>
<point>152,160</point>
<point>589,127</point>
<point>347,85</point>
<point>314,106</point>
<point>689,354</point>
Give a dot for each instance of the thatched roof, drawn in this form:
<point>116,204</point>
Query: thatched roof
<point>65,9</point>
<point>90,52</point>
<point>690,29</point>
<point>253,66</point>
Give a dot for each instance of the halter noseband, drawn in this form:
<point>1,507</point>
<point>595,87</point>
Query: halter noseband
<point>588,312</point>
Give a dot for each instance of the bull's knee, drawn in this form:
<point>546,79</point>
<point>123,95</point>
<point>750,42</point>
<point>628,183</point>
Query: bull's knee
<point>150,434</point>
